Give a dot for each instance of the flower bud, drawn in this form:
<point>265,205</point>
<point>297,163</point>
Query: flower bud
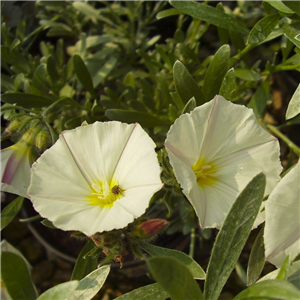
<point>149,228</point>
<point>42,141</point>
<point>15,125</point>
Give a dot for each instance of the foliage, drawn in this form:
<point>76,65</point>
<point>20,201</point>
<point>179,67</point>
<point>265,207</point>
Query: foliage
<point>69,63</point>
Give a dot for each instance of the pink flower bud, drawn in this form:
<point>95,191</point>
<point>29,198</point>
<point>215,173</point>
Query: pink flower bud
<point>149,228</point>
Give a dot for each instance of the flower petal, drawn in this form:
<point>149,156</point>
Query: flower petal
<point>135,166</point>
<point>220,146</point>
<point>15,169</point>
<point>101,146</point>
<point>282,229</point>
<point>88,162</point>
<point>231,127</point>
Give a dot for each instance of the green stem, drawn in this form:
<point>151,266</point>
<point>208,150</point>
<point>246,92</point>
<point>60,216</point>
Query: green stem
<point>107,259</point>
<point>242,53</point>
<point>31,219</point>
<point>192,243</point>
<point>291,145</point>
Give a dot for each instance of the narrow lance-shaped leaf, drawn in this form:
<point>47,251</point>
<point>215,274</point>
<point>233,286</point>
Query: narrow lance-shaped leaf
<point>193,267</point>
<point>270,289</point>
<point>256,259</point>
<point>262,29</point>
<point>293,5</point>
<point>228,84</point>
<point>189,106</point>
<point>167,13</point>
<point>259,100</point>
<point>90,285</point>
<point>86,265</point>
<point>148,292</point>
<point>16,277</point>
<point>10,211</point>
<point>104,71</point>
<point>26,100</point>
<point>294,105</point>
<point>292,33</point>
<point>185,84</point>
<point>216,72</point>
<point>175,278</point>
<point>60,291</point>
<point>279,6</point>
<point>83,74</point>
<point>283,272</point>
<point>232,236</point>
<point>210,14</point>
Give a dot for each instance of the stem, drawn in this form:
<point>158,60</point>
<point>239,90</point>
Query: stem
<point>34,218</point>
<point>107,259</point>
<point>291,145</point>
<point>242,53</point>
<point>192,243</point>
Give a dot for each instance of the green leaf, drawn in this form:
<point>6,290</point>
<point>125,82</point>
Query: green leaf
<point>148,292</point>
<point>292,33</point>
<point>185,84</point>
<point>90,285</point>
<point>294,105</point>
<point>60,291</point>
<point>233,236</point>
<point>175,278</point>
<point>16,277</point>
<point>189,106</point>
<point>26,100</point>
<point>294,274</point>
<point>270,289</point>
<point>10,211</point>
<point>83,74</point>
<point>210,14</point>
<point>279,6</point>
<point>167,13</point>
<point>228,84</point>
<point>177,100</point>
<point>85,265</point>
<point>262,29</point>
<point>293,5</point>
<point>283,272</point>
<point>216,72</point>
<point>259,100</point>
<point>104,71</point>
<point>48,224</point>
<point>87,10</point>
<point>256,259</point>
<point>131,116</point>
<point>246,74</point>
<point>155,251</point>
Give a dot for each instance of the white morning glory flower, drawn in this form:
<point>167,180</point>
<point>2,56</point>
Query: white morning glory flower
<point>96,177</point>
<point>215,151</point>
<point>282,229</point>
<point>15,168</point>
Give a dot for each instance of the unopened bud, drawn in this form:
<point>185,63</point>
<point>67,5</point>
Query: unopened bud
<point>149,228</point>
<point>42,140</point>
<point>15,124</point>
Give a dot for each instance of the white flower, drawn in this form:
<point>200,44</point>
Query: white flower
<point>96,178</point>
<point>215,151</point>
<point>282,229</point>
<point>15,168</point>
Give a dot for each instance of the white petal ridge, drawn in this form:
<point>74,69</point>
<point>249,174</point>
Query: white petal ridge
<point>230,142</point>
<point>282,229</point>
<point>63,177</point>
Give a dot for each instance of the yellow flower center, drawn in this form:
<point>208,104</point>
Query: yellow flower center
<point>105,193</point>
<point>204,173</point>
